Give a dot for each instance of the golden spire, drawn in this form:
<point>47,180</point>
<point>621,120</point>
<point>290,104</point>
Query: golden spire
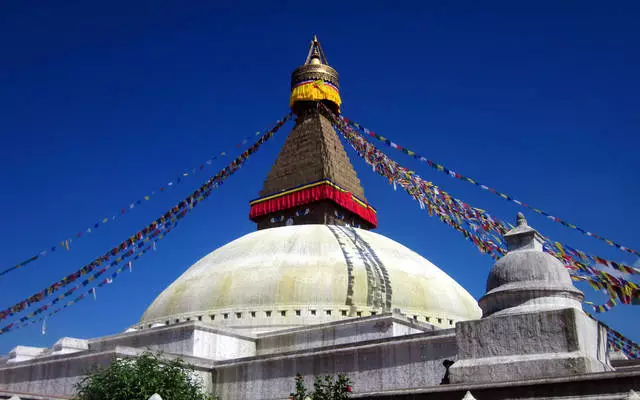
<point>313,170</point>
<point>315,81</point>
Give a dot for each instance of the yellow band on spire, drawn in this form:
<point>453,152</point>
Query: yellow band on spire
<point>315,91</point>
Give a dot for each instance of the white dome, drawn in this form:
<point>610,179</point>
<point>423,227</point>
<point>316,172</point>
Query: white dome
<point>299,275</point>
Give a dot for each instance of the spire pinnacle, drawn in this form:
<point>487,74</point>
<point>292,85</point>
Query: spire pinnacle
<point>523,237</point>
<point>316,55</point>
<point>521,220</point>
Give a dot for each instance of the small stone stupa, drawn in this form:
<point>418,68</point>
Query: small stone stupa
<point>528,279</point>
<point>533,325</point>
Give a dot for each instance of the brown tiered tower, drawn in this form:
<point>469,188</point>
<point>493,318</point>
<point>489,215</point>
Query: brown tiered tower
<point>312,180</point>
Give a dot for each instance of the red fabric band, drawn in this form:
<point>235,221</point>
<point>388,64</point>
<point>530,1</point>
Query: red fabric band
<point>324,191</point>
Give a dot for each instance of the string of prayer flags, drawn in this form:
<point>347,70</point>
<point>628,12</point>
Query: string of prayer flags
<point>124,249</point>
<point>479,227</point>
<point>92,291</point>
<point>160,233</point>
<point>128,246</point>
<point>140,240</point>
<point>200,194</point>
<point>507,197</point>
<point>600,308</point>
<point>575,260</point>
<point>24,321</point>
<point>66,244</point>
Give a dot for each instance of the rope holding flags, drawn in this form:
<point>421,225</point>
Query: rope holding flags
<point>153,231</point>
<point>66,244</point>
<point>24,321</point>
<point>456,175</point>
<point>485,231</point>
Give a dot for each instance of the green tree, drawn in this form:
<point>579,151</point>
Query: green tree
<point>301,391</point>
<point>323,388</point>
<point>139,378</point>
<point>341,388</point>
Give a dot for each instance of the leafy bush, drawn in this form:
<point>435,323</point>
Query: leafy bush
<point>139,378</point>
<point>323,388</point>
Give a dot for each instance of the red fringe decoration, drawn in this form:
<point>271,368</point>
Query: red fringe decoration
<point>305,195</point>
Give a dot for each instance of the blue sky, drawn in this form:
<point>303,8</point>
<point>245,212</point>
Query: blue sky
<point>102,103</point>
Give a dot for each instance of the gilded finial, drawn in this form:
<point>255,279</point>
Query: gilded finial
<point>315,81</point>
<point>316,55</point>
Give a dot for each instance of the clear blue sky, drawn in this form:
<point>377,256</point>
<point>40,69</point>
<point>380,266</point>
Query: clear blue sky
<point>103,102</point>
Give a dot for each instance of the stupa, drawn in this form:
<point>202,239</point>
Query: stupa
<point>313,291</point>
<point>313,258</point>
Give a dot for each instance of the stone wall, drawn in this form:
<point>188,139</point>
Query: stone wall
<point>387,364</point>
<point>177,339</point>
<point>601,386</point>
<point>338,333</point>
<point>190,339</point>
<point>56,375</point>
<point>221,346</point>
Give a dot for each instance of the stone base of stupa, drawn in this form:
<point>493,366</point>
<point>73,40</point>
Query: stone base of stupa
<point>547,344</point>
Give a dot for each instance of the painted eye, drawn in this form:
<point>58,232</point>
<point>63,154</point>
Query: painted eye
<point>301,213</point>
<point>338,214</point>
<point>356,225</point>
<point>277,219</point>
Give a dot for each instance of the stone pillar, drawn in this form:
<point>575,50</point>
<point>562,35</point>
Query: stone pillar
<point>70,345</point>
<point>533,325</point>
<point>25,353</point>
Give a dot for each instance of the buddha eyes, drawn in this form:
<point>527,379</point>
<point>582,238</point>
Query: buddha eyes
<point>301,213</point>
<point>306,211</point>
<point>277,219</point>
<point>341,216</point>
<point>289,221</point>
